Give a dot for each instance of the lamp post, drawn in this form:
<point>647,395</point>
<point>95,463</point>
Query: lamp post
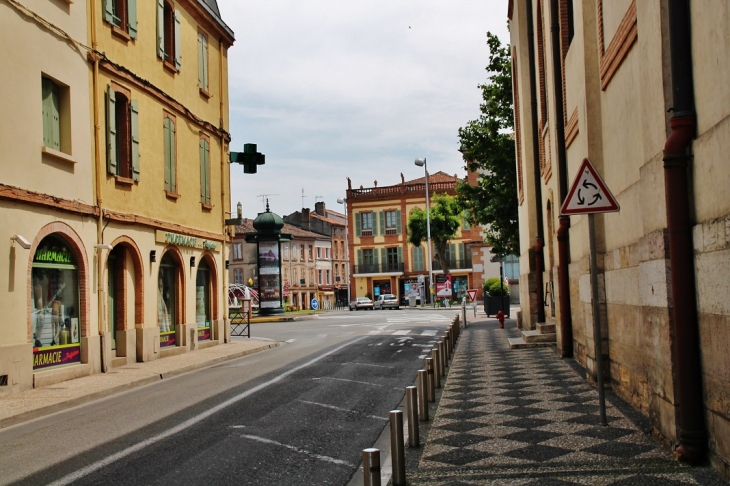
<point>421,162</point>
<point>343,201</point>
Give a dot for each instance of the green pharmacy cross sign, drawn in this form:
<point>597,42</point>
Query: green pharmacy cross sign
<point>249,158</point>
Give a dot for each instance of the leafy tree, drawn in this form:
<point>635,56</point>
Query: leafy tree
<point>489,149</point>
<point>446,214</point>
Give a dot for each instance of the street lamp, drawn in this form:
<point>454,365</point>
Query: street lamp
<point>343,201</point>
<point>421,162</point>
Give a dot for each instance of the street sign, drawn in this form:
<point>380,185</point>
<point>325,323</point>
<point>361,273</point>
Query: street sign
<point>472,293</point>
<point>589,194</point>
<point>315,304</point>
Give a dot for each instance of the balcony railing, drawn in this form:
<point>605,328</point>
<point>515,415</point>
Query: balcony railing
<point>462,264</point>
<point>378,268</point>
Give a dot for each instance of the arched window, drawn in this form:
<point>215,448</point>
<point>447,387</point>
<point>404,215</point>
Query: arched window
<point>168,287</point>
<point>202,301</point>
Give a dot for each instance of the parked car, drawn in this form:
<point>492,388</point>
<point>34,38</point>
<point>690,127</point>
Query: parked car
<point>386,301</point>
<point>361,303</point>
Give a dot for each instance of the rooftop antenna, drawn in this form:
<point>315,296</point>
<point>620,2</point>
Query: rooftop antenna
<point>318,197</point>
<point>265,199</point>
<point>303,196</point>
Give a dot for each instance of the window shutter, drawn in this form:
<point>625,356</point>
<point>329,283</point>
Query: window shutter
<point>205,63</point>
<point>358,225</point>
<point>400,254</point>
<point>207,172</point>
<point>51,115</point>
<point>462,255</point>
<point>201,61</point>
<point>359,259</point>
<point>178,52</point>
<point>108,11</point>
<point>173,179</point>
<point>375,255</point>
<point>131,18</point>
<point>111,130</point>
<point>398,223</point>
<point>161,29</point>
<point>134,117</point>
<point>452,254</point>
<point>168,149</point>
<point>204,171</point>
<point>383,258</point>
<point>382,222</point>
<point>46,101</point>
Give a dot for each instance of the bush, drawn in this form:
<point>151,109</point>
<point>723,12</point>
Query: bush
<point>495,287</point>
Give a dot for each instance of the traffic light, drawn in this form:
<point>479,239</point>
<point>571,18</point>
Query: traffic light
<point>249,158</point>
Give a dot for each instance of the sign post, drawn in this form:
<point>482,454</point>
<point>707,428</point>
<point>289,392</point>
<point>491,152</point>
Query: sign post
<point>590,195</point>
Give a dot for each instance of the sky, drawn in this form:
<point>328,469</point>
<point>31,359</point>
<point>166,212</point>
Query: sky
<point>330,89</point>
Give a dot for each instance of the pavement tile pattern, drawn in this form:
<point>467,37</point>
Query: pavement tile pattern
<point>527,417</point>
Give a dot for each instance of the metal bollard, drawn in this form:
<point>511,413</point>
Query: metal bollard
<point>445,352</point>
<point>447,338</point>
<point>414,439</point>
<point>431,385</point>
<point>371,467</point>
<point>463,310</point>
<point>397,450</point>
<point>422,395</point>
<point>436,367</point>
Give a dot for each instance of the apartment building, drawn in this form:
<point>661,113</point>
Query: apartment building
<point>640,90</point>
<point>116,216</point>
<point>383,261</point>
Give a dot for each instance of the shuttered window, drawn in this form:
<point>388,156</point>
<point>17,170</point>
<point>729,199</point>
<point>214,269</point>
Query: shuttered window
<point>122,14</point>
<point>168,126</point>
<point>418,258</point>
<point>205,171</point>
<point>168,33</point>
<point>203,61</point>
<point>122,134</point>
<point>51,114</point>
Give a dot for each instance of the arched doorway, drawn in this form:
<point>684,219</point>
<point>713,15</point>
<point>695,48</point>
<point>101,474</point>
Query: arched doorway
<point>203,301</point>
<point>125,307</point>
<point>169,298</point>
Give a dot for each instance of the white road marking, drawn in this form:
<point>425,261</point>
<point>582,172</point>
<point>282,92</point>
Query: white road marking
<point>344,379</point>
<point>341,409</point>
<point>369,364</point>
<point>290,340</point>
<point>429,332</point>
<point>91,468</point>
<point>333,460</point>
<point>402,332</point>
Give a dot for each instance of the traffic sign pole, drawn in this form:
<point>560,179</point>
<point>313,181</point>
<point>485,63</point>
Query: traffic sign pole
<point>596,320</point>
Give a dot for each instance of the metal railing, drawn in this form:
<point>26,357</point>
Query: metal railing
<point>378,267</point>
<point>458,264</point>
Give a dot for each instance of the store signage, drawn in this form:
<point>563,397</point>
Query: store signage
<point>167,339</point>
<point>443,285</point>
<point>169,238</point>
<point>204,334</point>
<point>44,255</point>
<point>56,355</point>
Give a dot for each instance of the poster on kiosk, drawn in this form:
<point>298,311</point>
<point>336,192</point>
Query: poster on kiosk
<point>443,285</point>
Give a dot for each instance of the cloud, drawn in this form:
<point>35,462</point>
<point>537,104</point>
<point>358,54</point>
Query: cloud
<point>330,89</point>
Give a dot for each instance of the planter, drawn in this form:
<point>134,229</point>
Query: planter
<point>493,304</point>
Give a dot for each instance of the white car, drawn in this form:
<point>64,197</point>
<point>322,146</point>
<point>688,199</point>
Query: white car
<point>361,303</point>
<point>386,301</point>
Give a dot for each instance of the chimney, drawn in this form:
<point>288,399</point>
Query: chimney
<point>319,209</point>
<point>305,219</point>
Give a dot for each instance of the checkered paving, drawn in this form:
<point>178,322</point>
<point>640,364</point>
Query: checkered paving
<point>525,417</point>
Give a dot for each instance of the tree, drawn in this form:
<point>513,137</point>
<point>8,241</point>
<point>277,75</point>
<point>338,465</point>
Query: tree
<point>489,149</point>
<point>446,216</point>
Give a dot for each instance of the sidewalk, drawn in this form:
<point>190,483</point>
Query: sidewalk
<point>528,417</point>
<point>31,404</point>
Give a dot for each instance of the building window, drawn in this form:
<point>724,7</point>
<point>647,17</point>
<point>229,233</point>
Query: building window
<point>167,292</point>
<point>329,276</point>
<point>301,256</point>
<point>286,252</point>
<point>122,15</point>
<point>168,129</point>
<point>310,254</point>
<point>238,251</point>
<point>319,277</point>
<point>238,275</point>
<point>465,225</point>
<point>418,258</point>
<point>319,253</point>
<point>51,103</point>
<point>205,171</point>
<point>366,224</point>
<point>55,306</point>
<point>391,222</point>
<point>393,258</point>
<point>122,133</point>
<point>168,34</point>
<point>203,62</point>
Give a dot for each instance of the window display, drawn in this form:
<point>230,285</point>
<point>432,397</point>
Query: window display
<point>167,301</point>
<point>54,305</point>
<point>202,301</point>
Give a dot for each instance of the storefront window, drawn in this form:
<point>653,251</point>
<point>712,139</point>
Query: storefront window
<point>55,305</point>
<point>461,285</point>
<point>202,301</point>
<point>167,301</point>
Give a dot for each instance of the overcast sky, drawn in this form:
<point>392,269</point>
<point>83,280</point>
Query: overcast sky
<point>360,88</point>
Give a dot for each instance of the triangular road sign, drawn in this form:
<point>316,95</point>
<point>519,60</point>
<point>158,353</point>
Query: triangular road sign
<point>589,193</point>
<point>472,293</point>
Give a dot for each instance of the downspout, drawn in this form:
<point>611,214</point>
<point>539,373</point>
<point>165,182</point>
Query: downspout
<point>692,435</point>
<point>97,165</point>
<point>540,239</point>
<point>566,318</point>
<point>224,290</point>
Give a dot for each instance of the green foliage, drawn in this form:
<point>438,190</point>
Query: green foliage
<point>446,214</point>
<point>488,147</point>
<point>495,287</point>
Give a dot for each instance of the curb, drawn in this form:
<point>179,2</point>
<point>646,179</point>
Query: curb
<point>137,383</point>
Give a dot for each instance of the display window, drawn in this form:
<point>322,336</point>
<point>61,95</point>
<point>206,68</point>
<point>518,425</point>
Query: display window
<point>167,291</point>
<point>202,301</point>
<point>55,305</point>
<point>461,285</point>
<point>381,287</point>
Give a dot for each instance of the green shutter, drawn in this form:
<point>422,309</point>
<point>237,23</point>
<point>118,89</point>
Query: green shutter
<point>173,158</point>
<point>132,18</point>
<point>382,222</point>
<point>201,61</point>
<point>374,223</point>
<point>134,118</point>
<point>398,224</point>
<point>359,259</point>
<point>375,256</point>
<point>161,29</point>
<point>384,258</point>
<point>166,122</point>
<point>46,110</point>
<point>51,115</point>
<point>205,64</point>
<point>204,171</point>
<point>400,254</point>
<point>108,11</point>
<point>452,253</point>
<point>462,255</point>
<point>358,224</point>
<point>178,41</point>
<point>111,130</point>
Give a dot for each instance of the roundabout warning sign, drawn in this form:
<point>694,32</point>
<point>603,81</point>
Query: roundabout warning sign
<point>589,194</point>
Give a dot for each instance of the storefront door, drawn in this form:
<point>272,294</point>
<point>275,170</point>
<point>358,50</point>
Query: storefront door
<point>202,301</point>
<point>167,290</point>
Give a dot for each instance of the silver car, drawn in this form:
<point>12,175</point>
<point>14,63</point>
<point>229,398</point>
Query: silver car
<point>361,303</point>
<point>386,301</point>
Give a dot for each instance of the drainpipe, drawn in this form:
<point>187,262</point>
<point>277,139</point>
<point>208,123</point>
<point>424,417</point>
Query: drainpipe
<point>224,279</point>
<point>566,328</point>
<point>91,6</point>
<point>540,239</point>
<point>692,436</point>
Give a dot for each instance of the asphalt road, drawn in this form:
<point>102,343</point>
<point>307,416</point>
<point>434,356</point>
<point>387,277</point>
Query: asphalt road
<point>298,414</point>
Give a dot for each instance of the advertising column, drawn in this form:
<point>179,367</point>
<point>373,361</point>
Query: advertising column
<point>269,276</point>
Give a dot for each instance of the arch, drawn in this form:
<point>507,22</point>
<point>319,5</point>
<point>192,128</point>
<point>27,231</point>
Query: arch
<point>129,245</point>
<point>175,254</point>
<point>70,236</point>
<point>209,258</point>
